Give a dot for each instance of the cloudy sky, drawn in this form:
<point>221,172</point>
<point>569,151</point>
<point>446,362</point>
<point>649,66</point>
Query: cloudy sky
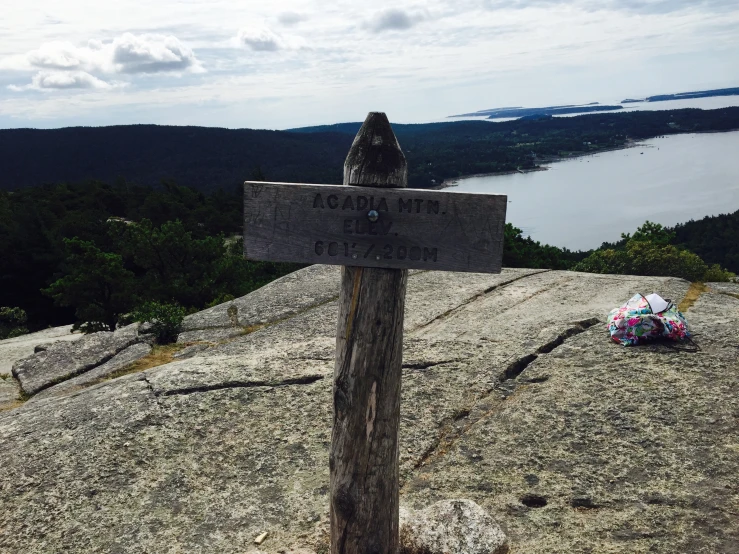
<point>286,63</point>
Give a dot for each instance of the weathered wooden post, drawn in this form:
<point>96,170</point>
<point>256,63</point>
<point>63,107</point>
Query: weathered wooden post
<point>377,229</point>
<point>369,344</point>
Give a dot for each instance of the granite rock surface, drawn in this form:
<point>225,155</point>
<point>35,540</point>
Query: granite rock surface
<point>12,350</point>
<point>63,360</point>
<point>9,391</point>
<point>726,288</point>
<point>513,398</point>
<point>124,358</point>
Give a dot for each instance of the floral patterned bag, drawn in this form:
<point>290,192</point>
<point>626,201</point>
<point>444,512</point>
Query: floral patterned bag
<point>635,322</point>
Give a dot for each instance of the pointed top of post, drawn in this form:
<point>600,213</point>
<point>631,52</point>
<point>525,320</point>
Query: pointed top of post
<point>375,158</point>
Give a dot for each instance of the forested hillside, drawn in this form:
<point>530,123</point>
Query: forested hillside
<point>204,158</point>
<point>211,158</point>
<point>715,239</point>
<point>93,252</point>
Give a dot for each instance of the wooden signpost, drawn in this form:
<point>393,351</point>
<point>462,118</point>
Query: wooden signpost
<point>377,229</point>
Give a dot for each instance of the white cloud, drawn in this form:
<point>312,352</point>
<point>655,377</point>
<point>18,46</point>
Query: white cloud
<point>291,18</point>
<point>59,80</point>
<point>66,66</point>
<point>413,59</point>
<point>128,53</point>
<point>263,39</point>
<point>58,55</point>
<point>394,20</point>
<point>634,6</point>
<point>152,54</point>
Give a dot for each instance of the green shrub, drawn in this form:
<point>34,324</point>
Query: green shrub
<point>96,284</point>
<point>605,261</point>
<point>653,259</point>
<point>716,274</point>
<point>220,300</point>
<point>165,319</point>
<point>12,322</point>
<point>651,232</point>
<point>641,257</point>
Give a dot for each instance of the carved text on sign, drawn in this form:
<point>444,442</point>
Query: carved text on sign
<point>357,251</point>
<point>373,227</point>
<point>362,203</point>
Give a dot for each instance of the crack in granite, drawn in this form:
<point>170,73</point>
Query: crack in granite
<point>449,435</point>
<point>303,380</point>
<point>477,296</point>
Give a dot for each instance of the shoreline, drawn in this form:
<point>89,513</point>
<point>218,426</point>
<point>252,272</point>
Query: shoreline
<point>546,163</point>
<point>544,167</point>
<point>453,182</point>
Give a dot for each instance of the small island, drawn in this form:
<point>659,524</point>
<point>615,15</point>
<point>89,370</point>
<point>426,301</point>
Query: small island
<point>734,91</point>
<point>506,113</point>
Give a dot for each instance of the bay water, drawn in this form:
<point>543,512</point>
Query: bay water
<point>581,202</point>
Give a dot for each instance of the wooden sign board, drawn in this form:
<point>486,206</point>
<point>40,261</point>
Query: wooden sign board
<point>374,227</point>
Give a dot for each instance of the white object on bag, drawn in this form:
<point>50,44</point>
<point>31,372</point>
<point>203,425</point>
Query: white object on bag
<point>657,303</point>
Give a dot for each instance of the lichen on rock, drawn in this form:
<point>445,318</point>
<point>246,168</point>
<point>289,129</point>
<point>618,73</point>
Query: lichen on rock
<point>455,526</point>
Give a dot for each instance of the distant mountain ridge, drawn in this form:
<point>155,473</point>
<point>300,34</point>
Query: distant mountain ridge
<point>203,157</point>
<point>209,158</point>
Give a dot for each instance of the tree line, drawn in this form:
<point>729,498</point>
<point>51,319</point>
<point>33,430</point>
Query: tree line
<point>96,254</point>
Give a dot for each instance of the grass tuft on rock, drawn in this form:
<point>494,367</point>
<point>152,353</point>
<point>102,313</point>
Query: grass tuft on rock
<point>694,292</point>
<point>160,355</point>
